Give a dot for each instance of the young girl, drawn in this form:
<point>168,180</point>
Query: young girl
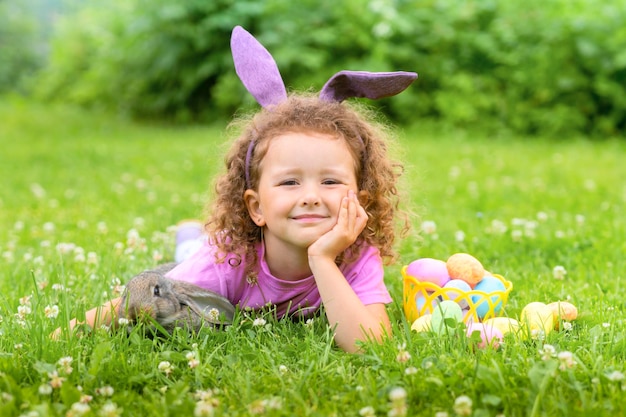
<point>304,214</point>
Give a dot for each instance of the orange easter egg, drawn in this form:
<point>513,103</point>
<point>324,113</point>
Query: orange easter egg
<point>465,267</point>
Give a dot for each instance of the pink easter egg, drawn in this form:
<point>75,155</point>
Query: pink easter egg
<point>490,335</point>
<point>430,270</point>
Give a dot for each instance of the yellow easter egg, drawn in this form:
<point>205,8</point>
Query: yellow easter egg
<point>422,324</point>
<point>504,324</point>
<point>537,317</point>
<point>562,310</point>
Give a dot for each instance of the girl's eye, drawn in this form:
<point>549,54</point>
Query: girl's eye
<point>330,182</point>
<point>289,182</point>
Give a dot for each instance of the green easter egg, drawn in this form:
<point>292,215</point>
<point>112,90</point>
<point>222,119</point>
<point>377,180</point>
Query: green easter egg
<point>446,315</point>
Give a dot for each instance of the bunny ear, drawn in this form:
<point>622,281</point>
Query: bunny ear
<point>204,303</point>
<point>256,68</point>
<point>372,85</point>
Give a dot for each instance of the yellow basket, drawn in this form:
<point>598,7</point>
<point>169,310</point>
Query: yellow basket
<point>431,292</point>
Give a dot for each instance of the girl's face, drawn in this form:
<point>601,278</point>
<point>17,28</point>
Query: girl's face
<point>304,177</point>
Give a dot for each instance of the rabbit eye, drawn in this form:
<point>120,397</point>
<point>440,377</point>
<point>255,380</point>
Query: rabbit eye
<point>157,291</point>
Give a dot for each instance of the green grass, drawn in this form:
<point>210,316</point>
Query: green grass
<point>75,183</point>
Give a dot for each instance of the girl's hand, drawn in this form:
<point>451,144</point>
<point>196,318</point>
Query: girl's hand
<point>351,221</point>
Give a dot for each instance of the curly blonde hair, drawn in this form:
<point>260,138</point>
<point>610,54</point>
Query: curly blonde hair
<point>229,224</point>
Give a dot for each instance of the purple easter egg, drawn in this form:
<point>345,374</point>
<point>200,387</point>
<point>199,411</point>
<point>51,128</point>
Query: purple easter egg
<point>430,270</point>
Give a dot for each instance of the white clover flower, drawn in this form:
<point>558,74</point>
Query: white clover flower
<point>165,367</point>
<point>44,389</point>
<point>106,391</point>
<point>559,272</point>
<point>23,311</point>
<point>397,394</point>
<point>56,381</point>
<point>48,227</point>
<point>204,409</point>
<point>79,409</point>
<point>259,321</point>
<point>58,287</point>
<point>441,414</point>
<point>213,314</point>
<point>459,236</point>
<point>102,228</point>
<point>429,227</point>
<point>123,321</point>
<point>92,258</point>
<point>367,411</point>
<point>547,352</point>
<point>566,360</point>
<point>110,409</point>
<point>606,325</point>
<point>25,301</point>
<point>463,405</point>
<point>567,326</point>
<point>411,370</point>
<point>580,219</point>
<point>615,376</point>
<point>66,364</point>
<point>542,216</point>
<point>192,359</point>
<point>282,369</point>
<point>85,398</point>
<point>51,312</point>
<point>516,235</point>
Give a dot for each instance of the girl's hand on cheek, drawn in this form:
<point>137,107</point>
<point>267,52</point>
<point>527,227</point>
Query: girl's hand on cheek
<point>351,221</point>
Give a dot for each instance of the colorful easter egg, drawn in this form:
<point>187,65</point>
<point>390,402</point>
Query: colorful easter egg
<point>488,285</point>
<point>457,288</point>
<point>504,324</point>
<point>464,266</point>
<point>422,324</point>
<point>430,270</point>
<point>563,311</point>
<point>425,303</point>
<point>537,318</point>
<point>489,335</point>
<point>446,315</point>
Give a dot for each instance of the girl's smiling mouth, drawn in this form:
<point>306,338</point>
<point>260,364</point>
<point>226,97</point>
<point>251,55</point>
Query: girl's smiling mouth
<point>309,218</point>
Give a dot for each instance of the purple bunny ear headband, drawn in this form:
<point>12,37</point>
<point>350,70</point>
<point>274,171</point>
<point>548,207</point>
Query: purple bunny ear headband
<point>259,73</point>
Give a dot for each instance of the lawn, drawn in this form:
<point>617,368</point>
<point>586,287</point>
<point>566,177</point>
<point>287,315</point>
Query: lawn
<point>88,200</point>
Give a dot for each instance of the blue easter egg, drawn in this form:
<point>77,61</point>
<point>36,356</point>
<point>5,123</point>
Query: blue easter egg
<point>488,285</point>
<point>456,288</point>
<point>423,306</point>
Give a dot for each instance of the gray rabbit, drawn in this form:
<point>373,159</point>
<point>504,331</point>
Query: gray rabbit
<point>173,303</point>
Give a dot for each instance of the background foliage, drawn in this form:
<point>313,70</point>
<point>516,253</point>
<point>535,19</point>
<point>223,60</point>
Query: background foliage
<point>531,66</point>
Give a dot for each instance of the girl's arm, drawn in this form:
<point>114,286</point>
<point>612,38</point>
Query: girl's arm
<point>96,317</point>
<point>353,321</point>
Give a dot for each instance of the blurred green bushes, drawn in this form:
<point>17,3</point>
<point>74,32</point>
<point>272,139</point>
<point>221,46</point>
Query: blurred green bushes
<point>532,66</point>
<point>20,54</point>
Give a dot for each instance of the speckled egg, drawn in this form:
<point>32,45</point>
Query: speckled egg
<point>429,270</point>
<point>489,335</point>
<point>488,285</point>
<point>563,311</point>
<point>446,315</point>
<point>464,266</point>
<point>422,324</point>
<point>537,317</point>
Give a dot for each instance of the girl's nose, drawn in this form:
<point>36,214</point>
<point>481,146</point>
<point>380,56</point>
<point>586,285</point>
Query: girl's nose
<point>310,196</point>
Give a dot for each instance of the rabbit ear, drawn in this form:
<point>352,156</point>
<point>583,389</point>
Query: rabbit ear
<point>372,85</point>
<point>256,68</point>
<point>203,302</point>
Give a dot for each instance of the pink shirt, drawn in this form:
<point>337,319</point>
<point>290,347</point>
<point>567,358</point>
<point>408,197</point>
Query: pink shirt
<point>365,276</point>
